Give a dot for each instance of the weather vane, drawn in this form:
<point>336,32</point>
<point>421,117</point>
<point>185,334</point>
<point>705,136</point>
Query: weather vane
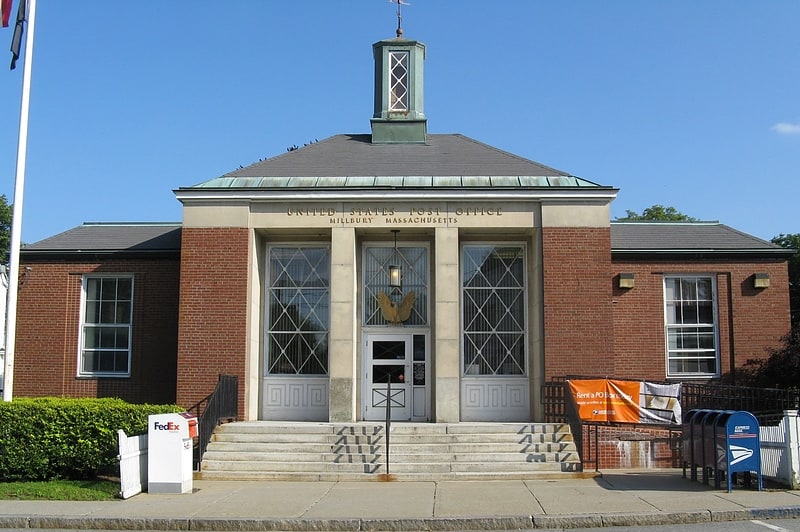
<point>399,16</point>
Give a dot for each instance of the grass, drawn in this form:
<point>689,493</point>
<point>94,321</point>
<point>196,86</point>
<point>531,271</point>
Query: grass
<point>61,490</point>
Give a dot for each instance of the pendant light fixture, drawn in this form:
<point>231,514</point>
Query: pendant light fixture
<point>395,271</point>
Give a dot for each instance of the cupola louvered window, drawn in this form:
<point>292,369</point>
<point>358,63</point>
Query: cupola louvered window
<point>398,81</point>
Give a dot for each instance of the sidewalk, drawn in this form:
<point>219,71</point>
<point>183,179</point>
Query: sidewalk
<point>616,498</point>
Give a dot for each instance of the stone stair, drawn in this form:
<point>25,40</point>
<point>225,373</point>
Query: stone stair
<point>264,450</point>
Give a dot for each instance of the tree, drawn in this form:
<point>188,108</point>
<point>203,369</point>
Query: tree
<point>780,370</point>
<point>792,241</point>
<point>657,212</point>
<point>5,229</point>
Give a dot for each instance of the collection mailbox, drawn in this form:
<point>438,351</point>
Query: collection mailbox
<point>722,443</point>
<point>169,455</point>
<point>738,446</point>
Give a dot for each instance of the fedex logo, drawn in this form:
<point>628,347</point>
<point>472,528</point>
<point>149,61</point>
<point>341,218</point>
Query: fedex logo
<point>170,426</point>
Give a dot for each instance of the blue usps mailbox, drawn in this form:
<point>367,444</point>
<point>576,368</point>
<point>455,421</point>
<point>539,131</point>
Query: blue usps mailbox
<point>738,446</point>
<point>706,443</point>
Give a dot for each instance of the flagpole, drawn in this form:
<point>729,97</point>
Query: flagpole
<point>16,216</point>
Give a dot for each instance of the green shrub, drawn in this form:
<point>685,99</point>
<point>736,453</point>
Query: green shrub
<point>55,438</point>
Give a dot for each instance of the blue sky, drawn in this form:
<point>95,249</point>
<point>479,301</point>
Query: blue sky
<point>691,103</point>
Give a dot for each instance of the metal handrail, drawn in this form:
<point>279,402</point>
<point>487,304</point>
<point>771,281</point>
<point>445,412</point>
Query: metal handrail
<point>221,404</point>
<point>388,416</point>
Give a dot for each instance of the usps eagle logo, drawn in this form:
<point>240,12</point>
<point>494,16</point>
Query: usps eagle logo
<point>739,454</point>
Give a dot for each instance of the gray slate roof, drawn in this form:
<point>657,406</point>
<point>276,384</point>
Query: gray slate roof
<point>96,237</point>
<point>627,238</point>
<point>353,161</point>
<point>687,237</point>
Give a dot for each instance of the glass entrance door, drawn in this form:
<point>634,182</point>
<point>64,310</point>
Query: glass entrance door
<point>388,377</point>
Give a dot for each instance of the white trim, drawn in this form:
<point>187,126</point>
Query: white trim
<point>714,306</point>
<point>82,324</point>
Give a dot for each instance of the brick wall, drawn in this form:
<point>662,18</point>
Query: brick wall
<point>212,336</point>
<point>48,327</point>
<point>750,320</point>
<point>577,301</point>
<point>634,447</point>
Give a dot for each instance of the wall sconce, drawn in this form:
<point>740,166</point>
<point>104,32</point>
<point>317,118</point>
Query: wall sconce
<point>626,280</point>
<point>395,272</point>
<point>761,280</point>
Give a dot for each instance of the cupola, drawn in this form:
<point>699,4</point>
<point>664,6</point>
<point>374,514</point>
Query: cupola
<point>399,115</point>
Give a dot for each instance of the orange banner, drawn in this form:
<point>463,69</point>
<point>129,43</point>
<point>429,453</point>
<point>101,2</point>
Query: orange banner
<point>613,401</point>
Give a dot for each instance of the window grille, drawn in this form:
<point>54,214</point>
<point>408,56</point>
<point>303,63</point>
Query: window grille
<point>493,306</point>
<point>413,260</point>
<point>298,310</point>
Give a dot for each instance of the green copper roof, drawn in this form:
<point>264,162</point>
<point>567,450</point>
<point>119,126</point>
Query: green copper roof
<point>396,182</point>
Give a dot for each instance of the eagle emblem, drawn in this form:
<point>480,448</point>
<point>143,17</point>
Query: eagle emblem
<point>394,313</point>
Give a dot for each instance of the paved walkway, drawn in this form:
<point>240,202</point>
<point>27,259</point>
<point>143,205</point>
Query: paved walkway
<point>627,498</point>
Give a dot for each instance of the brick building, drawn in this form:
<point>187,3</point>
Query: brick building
<point>465,275</point>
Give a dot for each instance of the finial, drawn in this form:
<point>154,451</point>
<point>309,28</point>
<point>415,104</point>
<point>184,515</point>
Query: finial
<point>399,3</point>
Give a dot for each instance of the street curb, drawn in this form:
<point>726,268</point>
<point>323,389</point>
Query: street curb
<point>433,524</point>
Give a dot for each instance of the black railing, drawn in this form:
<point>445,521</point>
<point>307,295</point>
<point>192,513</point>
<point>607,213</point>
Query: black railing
<point>761,402</point>
<point>766,404</point>
<point>222,404</point>
<point>388,427</point>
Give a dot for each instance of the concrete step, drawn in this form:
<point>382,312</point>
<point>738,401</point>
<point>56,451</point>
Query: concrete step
<point>398,457</point>
<point>394,437</point>
<point>273,450</point>
<point>396,447</point>
<point>395,476</point>
<point>377,466</point>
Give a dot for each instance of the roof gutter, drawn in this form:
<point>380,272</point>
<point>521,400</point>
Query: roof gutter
<point>397,194</point>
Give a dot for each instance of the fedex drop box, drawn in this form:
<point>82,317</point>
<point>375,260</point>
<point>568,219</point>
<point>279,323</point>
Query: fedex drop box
<point>169,455</point>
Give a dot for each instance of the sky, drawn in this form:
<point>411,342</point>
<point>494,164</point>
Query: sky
<point>693,104</point>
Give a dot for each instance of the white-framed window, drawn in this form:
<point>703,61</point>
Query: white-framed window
<point>690,326</point>
<point>106,326</point>
<point>494,309</point>
<point>298,310</point>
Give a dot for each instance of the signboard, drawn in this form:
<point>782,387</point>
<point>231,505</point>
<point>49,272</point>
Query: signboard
<point>615,401</point>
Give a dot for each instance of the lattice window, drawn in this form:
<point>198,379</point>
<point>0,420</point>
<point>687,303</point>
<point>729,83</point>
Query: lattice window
<point>398,81</point>
<point>493,306</point>
<point>690,326</point>
<point>298,310</point>
<point>413,260</point>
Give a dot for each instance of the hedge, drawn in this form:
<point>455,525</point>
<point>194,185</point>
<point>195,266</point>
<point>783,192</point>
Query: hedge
<point>57,438</point>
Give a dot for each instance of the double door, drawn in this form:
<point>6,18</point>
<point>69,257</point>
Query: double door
<point>396,375</point>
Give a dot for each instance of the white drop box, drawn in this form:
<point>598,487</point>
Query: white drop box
<point>169,455</point>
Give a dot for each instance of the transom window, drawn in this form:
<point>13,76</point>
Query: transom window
<point>106,329</point>
<point>298,310</point>
<point>398,81</point>
<point>691,326</point>
<point>413,262</point>
<point>493,306</point>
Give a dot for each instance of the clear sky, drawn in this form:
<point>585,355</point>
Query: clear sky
<point>687,103</point>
